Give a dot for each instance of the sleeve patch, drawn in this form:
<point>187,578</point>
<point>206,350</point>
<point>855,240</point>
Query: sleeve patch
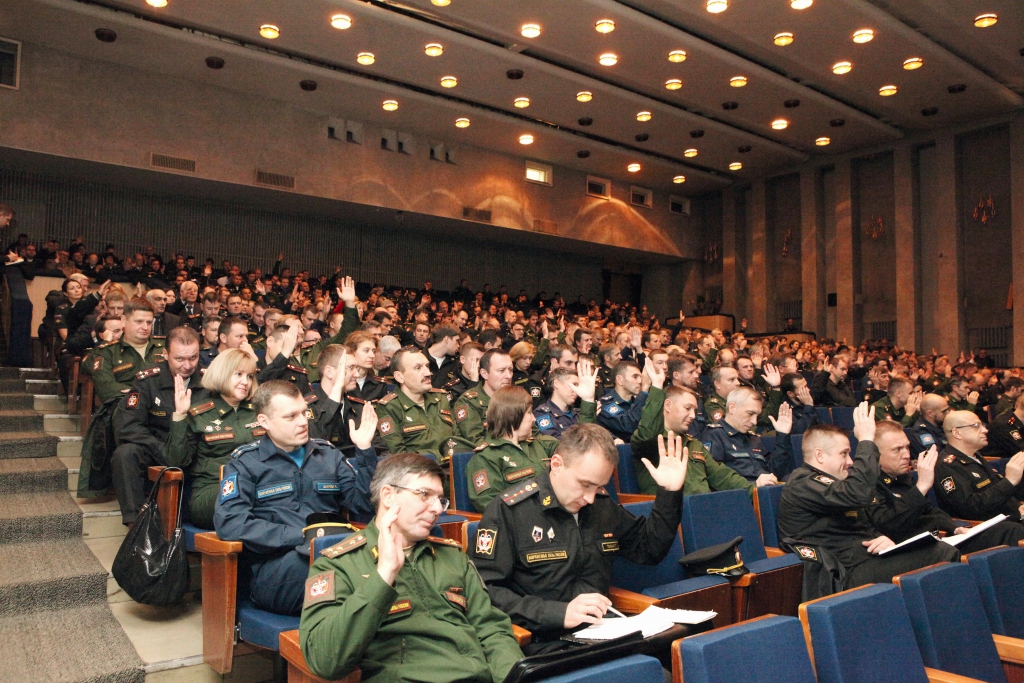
<point>385,426</point>
<point>319,588</point>
<point>229,487</point>
<point>613,409</point>
<point>132,402</point>
<point>97,363</point>
<point>485,541</point>
<point>806,552</point>
<point>824,480</point>
<point>480,481</point>
<point>927,440</point>
<point>544,422</point>
<point>461,413</point>
<point>948,485</point>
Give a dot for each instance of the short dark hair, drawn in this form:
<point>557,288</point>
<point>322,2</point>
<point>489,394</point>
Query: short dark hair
<point>137,304</point>
<point>624,367</point>
<point>488,336</point>
<point>485,360</point>
<point>442,332</point>
<point>396,360</point>
<point>185,336</point>
<point>227,323</point>
<point>267,391</point>
<point>789,381</point>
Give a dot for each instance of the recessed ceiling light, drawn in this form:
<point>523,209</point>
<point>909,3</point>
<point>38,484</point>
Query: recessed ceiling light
<point>986,20</point>
<point>390,105</point>
<point>930,111</point>
<point>822,141</point>
<point>341,21</point>
<point>366,58</point>
<point>690,153</point>
<point>514,74</point>
<point>887,90</point>
<point>837,123</point>
<point>730,106</point>
<point>842,68</point>
<point>716,6</point>
<point>677,56</point>
<point>462,122</point>
<point>608,59</point>
<point>449,81</point>
<point>642,137</point>
<point>106,35</point>
<point>583,153</point>
<point>308,85</point>
<point>800,4</point>
<point>780,124</point>
<point>738,81</point>
<point>434,49</point>
<point>956,88</point>
<point>791,104</point>
<point>633,168</point>
<point>783,39</point>
<point>441,3</point>
<point>269,31</point>
<point>585,121</point>
<point>735,166</point>
<point>864,35</point>
<point>215,62</point>
<point>673,84</point>
<point>913,63</point>
<point>744,149</point>
<point>521,102</point>
<point>525,139</point>
<point>530,30</point>
<point>605,26</point>
<point>584,96</point>
<point>697,133</point>
<point>643,116</point>
<point>679,179</point>
<point>157,3</point>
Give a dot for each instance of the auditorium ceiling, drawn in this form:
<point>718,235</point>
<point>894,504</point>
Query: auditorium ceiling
<point>599,85</point>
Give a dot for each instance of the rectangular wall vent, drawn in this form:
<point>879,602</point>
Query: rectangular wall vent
<point>679,205</point>
<point>545,226</point>
<point>639,196</point>
<point>173,163</point>
<point>275,179</point>
<point>599,187</point>
<point>472,214</point>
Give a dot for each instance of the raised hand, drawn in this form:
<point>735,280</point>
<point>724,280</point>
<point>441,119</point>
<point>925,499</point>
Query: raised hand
<point>246,348</point>
<point>635,337</point>
<point>389,545</point>
<point>804,394</point>
<point>291,340</point>
<point>347,291</point>
<point>657,377</point>
<point>587,373</point>
<point>864,422</point>
<point>673,459</point>
<point>362,436</point>
<point>914,403</point>
<point>973,397</point>
<point>757,355</point>
<point>926,470</point>
<point>772,375</point>
<point>182,398</point>
<point>784,423</point>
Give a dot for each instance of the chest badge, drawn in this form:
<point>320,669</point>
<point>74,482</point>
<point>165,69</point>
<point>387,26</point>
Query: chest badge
<point>975,475</point>
<point>546,501</point>
<point>408,418</point>
<point>551,533</point>
<point>156,400</point>
<point>538,534</point>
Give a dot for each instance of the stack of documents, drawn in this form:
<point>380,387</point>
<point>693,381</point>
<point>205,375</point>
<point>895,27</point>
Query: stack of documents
<point>651,621</point>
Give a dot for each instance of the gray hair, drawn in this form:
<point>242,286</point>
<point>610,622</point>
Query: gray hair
<point>395,470</point>
<point>388,344</point>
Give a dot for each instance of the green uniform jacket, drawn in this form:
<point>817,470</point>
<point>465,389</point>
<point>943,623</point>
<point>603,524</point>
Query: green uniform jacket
<point>436,625</point>
<point>704,474</point>
<point>962,404</point>
<point>884,410</point>
<point>113,366</point>
<point>499,463</point>
<point>408,427</point>
<point>471,415</point>
<point>311,356</point>
<point>205,440</point>
<point>715,408</point>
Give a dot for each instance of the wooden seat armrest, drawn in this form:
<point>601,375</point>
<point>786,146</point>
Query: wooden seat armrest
<point>523,637</point>
<point>155,471</point>
<point>774,552</point>
<point>936,676</point>
<point>298,672</point>
<point>630,602</point>
<point>470,516</point>
<point>744,581</point>
<point>634,498</point>
<point>208,544</point>
<point>1010,649</point>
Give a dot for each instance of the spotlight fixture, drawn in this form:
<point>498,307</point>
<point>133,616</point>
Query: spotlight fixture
<point>887,90</point>
<point>642,137</point>
<point>956,88</point>
<point>677,56</point>
<point>823,141</point>
<point>913,63</point>
<point>673,84</point>
<point>738,81</point>
<point>525,139</point>
<point>584,96</point>
<point>791,104</point>
<point>366,58</point>
<point>730,106</point>
<point>390,105</point>
<point>605,26</point>
<point>717,6</point>
<point>530,30</point>
<point>462,122</point>
<point>735,166</point>
<point>643,116</point>
<point>800,4</point>
<point>633,168</point>
<point>341,21</point>
<point>585,121</point>
<point>780,124</point>
<point>697,133</point>
<point>841,68</point>
<point>864,35</point>
<point>269,31</point>
<point>679,179</point>
<point>608,59</point>
<point>783,39</point>
<point>986,20</point>
<point>690,153</point>
<point>521,102</point>
<point>449,81</point>
<point>434,49</point>
<point>157,3</point>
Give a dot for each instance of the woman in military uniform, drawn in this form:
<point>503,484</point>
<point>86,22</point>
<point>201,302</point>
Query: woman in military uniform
<point>73,289</point>
<point>204,435</point>
<point>510,453</point>
<point>522,354</point>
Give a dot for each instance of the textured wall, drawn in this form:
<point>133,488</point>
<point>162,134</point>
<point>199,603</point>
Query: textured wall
<point>783,207</point>
<point>874,201</point>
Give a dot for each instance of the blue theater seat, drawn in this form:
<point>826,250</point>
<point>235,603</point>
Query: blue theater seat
<point>627,474</point>
<point>842,417</point>
<point>634,668</point>
<point>999,575</point>
<point>768,499</point>
<point>824,415</point>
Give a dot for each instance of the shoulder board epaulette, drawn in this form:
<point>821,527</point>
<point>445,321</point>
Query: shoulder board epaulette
<point>296,368</point>
<point>470,394</point>
<point>384,401</point>
<point>319,442</point>
<point>242,450</point>
<point>310,398</point>
<point>201,408</point>
<point>151,372</point>
<point>356,399</point>
<point>714,425</point>
<point>348,545</point>
<point>445,541</point>
<point>480,448</point>
<point>438,391</point>
<point>521,493</point>
<point>105,344</point>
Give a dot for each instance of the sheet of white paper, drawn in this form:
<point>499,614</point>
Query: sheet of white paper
<point>907,542</point>
<point>957,539</point>
<point>681,616</point>
<point>651,621</point>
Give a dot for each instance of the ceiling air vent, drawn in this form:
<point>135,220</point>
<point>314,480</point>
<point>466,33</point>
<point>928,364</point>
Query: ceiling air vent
<point>275,179</point>
<point>545,226</point>
<point>173,163</point>
<point>472,214</point>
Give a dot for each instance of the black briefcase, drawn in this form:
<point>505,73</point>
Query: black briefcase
<point>539,667</point>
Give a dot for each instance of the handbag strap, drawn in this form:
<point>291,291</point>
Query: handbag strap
<point>156,489</point>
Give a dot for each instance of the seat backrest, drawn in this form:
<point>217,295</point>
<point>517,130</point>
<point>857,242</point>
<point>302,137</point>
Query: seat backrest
<point>613,493</point>
<point>768,499</point>
<point>634,668</point>
<point>842,417</point>
<point>768,444</point>
<point>863,636</point>
<point>950,623</point>
<point>797,441</point>
<point>768,650</point>
<point>636,577</point>
<point>824,415</point>
<point>998,574</point>
<point>991,410</point>
<point>713,518</point>
<point>627,475</point>
<point>460,487</point>
<point>471,534</point>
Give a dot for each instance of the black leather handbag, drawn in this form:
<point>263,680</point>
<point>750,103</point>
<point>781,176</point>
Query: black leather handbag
<point>540,667</point>
<point>151,569</point>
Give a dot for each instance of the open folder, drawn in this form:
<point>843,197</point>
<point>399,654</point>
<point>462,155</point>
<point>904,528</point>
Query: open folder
<point>651,621</point>
<point>952,539</point>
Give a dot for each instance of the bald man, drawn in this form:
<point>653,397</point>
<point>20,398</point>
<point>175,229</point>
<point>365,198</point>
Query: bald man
<point>927,431</point>
<point>1006,433</point>
<point>967,487</point>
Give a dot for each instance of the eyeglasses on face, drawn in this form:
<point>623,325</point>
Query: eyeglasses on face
<point>427,496</point>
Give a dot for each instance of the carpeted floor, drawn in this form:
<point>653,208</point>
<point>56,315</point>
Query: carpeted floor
<point>55,625</point>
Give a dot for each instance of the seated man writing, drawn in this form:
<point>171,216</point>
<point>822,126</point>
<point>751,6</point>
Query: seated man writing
<point>271,486</point>
<point>398,605</point>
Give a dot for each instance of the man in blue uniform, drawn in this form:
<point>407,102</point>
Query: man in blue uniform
<point>621,407</point>
<point>271,486</point>
<point>735,443</point>
<point>927,430</point>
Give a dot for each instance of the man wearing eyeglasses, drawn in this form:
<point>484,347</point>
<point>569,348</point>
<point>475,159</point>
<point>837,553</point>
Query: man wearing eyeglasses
<point>966,485</point>
<point>270,487</point>
<point>400,605</point>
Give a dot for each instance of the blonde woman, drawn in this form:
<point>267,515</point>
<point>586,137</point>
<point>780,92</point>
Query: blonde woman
<point>209,424</point>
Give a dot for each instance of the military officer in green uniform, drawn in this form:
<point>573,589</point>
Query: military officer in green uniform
<point>417,418</point>
<point>902,403</point>
<point>471,407</point>
<point>723,380</point>
<point>399,605</point>
<point>962,397</point>
<point>309,356</point>
<point>203,436</point>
